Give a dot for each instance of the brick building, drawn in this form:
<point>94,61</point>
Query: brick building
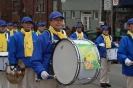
<point>14,10</point>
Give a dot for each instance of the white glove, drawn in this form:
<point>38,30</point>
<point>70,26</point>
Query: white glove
<point>12,70</point>
<point>44,75</point>
<point>117,45</point>
<point>128,62</point>
<point>102,44</point>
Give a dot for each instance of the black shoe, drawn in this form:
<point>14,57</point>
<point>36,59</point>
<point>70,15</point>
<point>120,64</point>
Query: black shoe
<point>108,85</point>
<point>103,85</point>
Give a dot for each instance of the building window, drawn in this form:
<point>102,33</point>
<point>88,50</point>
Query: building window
<point>40,6</point>
<point>16,6</point>
<point>96,15</point>
<point>73,14</point>
<point>64,15</point>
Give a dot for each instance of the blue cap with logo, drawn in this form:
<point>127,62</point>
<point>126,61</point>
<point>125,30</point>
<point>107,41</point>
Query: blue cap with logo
<point>43,23</point>
<point>39,24</point>
<point>15,25</point>
<point>9,24</point>
<point>130,21</point>
<point>26,19</point>
<point>104,28</point>
<point>2,23</point>
<point>78,25</point>
<point>55,14</point>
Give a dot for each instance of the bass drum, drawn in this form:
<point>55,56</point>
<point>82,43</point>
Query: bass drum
<point>75,61</point>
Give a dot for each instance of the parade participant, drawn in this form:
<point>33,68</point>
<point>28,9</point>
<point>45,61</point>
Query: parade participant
<point>3,36</point>
<point>3,48</point>
<point>21,47</point>
<point>44,48</point>
<point>78,34</point>
<point>32,28</point>
<point>40,28</point>
<point>125,54</point>
<point>15,27</point>
<point>44,25</point>
<point>104,42</point>
<point>10,30</point>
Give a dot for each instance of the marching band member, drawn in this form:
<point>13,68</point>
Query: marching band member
<point>104,42</point>
<point>3,36</point>
<point>78,34</point>
<point>43,51</point>
<point>32,28</point>
<point>10,30</point>
<point>40,28</point>
<point>125,54</point>
<point>15,27</point>
<point>44,25</point>
<point>21,47</point>
<point>3,46</point>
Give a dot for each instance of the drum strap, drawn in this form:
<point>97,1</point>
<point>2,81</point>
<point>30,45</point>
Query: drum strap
<point>48,31</point>
<point>51,36</point>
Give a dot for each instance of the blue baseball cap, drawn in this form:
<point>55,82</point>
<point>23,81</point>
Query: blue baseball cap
<point>104,27</point>
<point>130,21</point>
<point>39,24</point>
<point>15,25</point>
<point>2,23</point>
<point>43,23</point>
<point>26,19</point>
<point>9,24</point>
<point>55,14</point>
<point>78,25</point>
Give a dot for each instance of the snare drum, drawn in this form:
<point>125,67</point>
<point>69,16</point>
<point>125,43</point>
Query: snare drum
<point>3,60</point>
<point>75,61</point>
<point>112,54</point>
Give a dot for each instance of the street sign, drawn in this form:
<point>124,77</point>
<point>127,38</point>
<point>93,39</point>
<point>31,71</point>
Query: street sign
<point>107,4</point>
<point>115,2</point>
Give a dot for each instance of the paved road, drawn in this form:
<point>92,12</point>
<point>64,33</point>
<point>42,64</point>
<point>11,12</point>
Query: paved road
<point>116,79</point>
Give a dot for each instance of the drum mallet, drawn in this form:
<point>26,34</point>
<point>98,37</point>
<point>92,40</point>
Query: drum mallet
<point>54,76</point>
<point>131,62</point>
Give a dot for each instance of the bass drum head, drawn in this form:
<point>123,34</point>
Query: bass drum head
<point>64,62</point>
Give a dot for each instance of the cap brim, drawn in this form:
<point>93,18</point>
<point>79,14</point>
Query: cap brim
<point>58,17</point>
<point>27,21</point>
<point>106,28</point>
<point>2,25</point>
<point>130,22</point>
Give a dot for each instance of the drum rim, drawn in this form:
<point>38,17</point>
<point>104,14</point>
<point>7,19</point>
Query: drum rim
<point>78,64</point>
<point>98,70</point>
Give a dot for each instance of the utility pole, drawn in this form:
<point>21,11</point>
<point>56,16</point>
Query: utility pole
<point>111,17</point>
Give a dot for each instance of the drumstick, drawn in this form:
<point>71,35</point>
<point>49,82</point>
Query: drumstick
<point>131,62</point>
<point>54,76</point>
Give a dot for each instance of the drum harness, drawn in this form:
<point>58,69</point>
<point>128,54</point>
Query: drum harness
<point>105,53</point>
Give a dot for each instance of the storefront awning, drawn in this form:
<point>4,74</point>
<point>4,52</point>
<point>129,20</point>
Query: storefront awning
<point>125,2</point>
